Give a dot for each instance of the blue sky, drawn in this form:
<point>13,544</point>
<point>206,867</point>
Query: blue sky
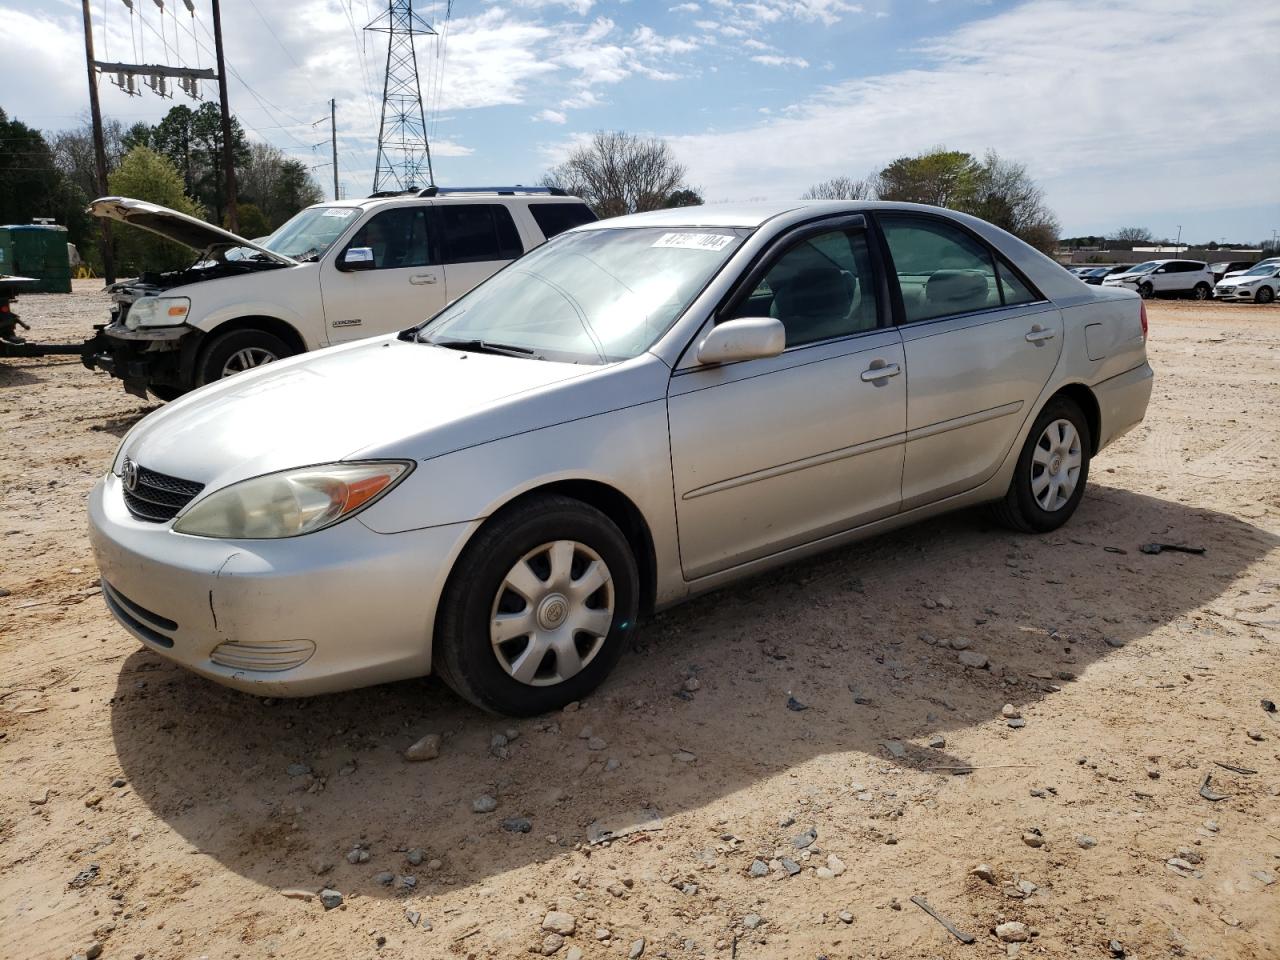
<point>1147,112</point>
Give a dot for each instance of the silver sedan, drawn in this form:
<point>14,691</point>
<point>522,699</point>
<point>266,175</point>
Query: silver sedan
<point>640,410</point>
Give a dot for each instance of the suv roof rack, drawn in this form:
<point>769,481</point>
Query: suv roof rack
<point>382,194</point>
<point>434,191</point>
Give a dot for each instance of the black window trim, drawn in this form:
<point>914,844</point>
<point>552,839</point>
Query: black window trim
<point>997,259</point>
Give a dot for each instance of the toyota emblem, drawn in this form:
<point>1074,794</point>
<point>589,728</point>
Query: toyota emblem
<point>130,474</point>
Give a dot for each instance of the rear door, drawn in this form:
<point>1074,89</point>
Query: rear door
<point>980,344</point>
<point>405,286</point>
<point>477,240</point>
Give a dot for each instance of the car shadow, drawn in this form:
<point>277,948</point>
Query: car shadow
<point>121,423</point>
<point>824,657</point>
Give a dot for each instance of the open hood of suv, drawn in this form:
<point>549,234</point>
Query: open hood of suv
<point>178,227</point>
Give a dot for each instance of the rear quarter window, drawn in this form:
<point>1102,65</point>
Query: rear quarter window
<point>554,218</point>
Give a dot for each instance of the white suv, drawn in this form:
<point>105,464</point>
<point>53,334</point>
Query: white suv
<point>1186,278</point>
<point>336,272</point>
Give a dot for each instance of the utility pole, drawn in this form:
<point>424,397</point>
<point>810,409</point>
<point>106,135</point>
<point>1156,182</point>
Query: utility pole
<point>333,135</point>
<point>99,145</point>
<point>228,154</point>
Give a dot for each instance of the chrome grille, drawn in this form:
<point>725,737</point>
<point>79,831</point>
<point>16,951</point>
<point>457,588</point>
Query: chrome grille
<point>157,497</point>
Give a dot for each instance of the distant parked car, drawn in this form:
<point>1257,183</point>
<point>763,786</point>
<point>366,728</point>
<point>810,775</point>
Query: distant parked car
<point>1095,275</point>
<point>1270,261</point>
<point>1224,267</point>
<point>1182,278</point>
<point>1258,285</point>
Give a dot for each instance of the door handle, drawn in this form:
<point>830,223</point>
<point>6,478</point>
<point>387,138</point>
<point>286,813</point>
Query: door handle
<point>1039,334</point>
<point>424,278</point>
<point>882,372</point>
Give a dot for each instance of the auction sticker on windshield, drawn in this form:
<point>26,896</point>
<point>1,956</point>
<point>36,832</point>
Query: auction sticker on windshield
<point>694,241</point>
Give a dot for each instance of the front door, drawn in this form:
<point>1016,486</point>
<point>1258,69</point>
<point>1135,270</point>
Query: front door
<point>980,345</point>
<point>773,453</point>
<point>405,286</point>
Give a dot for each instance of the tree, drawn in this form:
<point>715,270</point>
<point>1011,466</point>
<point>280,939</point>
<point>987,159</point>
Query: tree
<point>192,140</point>
<point>841,188</point>
<point>942,178</point>
<point>29,178</point>
<point>1133,235</point>
<point>686,197</point>
<point>617,173</point>
<point>253,223</point>
<point>145,174</point>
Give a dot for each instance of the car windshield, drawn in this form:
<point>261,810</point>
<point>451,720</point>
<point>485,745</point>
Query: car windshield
<point>1261,270</point>
<point>311,232</point>
<point>594,296</point>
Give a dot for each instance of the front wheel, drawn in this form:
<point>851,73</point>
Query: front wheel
<point>1053,467</point>
<point>1265,295</point>
<point>237,351</point>
<point>538,607</point>
<point>1146,291</point>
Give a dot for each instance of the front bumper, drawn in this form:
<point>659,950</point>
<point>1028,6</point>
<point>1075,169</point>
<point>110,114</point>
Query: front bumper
<point>143,357</point>
<point>341,608</point>
<point>1233,292</point>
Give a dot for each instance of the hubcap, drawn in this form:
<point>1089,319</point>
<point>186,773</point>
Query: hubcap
<point>247,359</point>
<point>1055,465</point>
<point>552,613</point>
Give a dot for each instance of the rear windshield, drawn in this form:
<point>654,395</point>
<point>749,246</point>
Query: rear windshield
<point>554,218</point>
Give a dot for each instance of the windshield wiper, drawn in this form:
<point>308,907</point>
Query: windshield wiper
<point>485,346</point>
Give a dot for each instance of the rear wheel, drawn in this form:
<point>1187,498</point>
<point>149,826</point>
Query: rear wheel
<point>537,610</point>
<point>1146,291</point>
<point>1202,292</point>
<point>1053,467</point>
<point>1264,295</point>
<point>237,351</point>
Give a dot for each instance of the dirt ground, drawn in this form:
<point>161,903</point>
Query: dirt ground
<point>155,814</point>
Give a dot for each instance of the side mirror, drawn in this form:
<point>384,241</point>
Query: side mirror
<point>356,258</point>
<point>747,338</point>
<point>1162,270</point>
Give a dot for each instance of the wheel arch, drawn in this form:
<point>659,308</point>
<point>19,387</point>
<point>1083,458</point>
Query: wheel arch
<point>1084,398</point>
<point>267,324</point>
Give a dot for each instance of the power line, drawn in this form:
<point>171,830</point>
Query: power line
<point>271,30</point>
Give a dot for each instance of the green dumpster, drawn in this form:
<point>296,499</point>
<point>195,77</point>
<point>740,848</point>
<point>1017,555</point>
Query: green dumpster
<point>39,251</point>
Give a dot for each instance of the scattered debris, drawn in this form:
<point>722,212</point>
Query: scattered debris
<point>329,899</point>
<point>484,804</point>
<point>796,705</point>
<point>951,927</point>
<point>1154,548</point>
<point>1208,794</point>
<point>983,871</point>
<point>428,748</point>
<point>1244,770</point>
<point>557,921</point>
<point>613,828</point>
<point>85,876</point>
<point>1013,932</point>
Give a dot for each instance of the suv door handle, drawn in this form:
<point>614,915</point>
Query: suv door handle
<point>1038,334</point>
<point>424,278</point>
<point>882,372</point>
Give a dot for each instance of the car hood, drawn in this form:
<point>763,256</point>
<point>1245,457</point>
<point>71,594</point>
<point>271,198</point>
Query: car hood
<point>1126,277</point>
<point>376,398</point>
<point>179,227</point>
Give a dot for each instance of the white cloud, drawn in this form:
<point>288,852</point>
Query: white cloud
<point>773,60</point>
<point>1073,88</point>
<point>551,116</point>
<point>684,8</point>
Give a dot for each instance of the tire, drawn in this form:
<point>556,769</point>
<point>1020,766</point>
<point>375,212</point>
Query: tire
<point>1202,292</point>
<point>1264,295</point>
<point>1146,291</point>
<point>525,544</point>
<point>1027,505</point>
<point>230,353</point>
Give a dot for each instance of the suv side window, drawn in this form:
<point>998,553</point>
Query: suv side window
<point>553,218</point>
<point>820,288</point>
<point>478,232</point>
<point>398,238</point>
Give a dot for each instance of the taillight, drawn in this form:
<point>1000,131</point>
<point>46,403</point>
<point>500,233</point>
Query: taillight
<point>1142,312</point>
<point>4,307</point>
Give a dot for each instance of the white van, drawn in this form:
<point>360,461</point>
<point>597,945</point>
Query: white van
<point>337,271</point>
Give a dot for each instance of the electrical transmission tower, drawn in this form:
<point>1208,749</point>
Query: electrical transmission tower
<point>402,135</point>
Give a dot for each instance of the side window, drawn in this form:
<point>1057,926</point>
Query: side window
<point>1013,289</point>
<point>553,218</point>
<point>398,238</point>
<point>822,287</point>
<point>478,233</point>
<point>942,270</point>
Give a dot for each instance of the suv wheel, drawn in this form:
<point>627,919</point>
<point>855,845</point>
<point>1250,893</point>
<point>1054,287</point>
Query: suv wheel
<point>1202,291</point>
<point>1053,467</point>
<point>538,608</point>
<point>1146,291</point>
<point>237,351</point>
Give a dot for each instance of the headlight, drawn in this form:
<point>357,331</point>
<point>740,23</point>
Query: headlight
<point>292,502</point>
<point>157,312</point>
<point>1246,283</point>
